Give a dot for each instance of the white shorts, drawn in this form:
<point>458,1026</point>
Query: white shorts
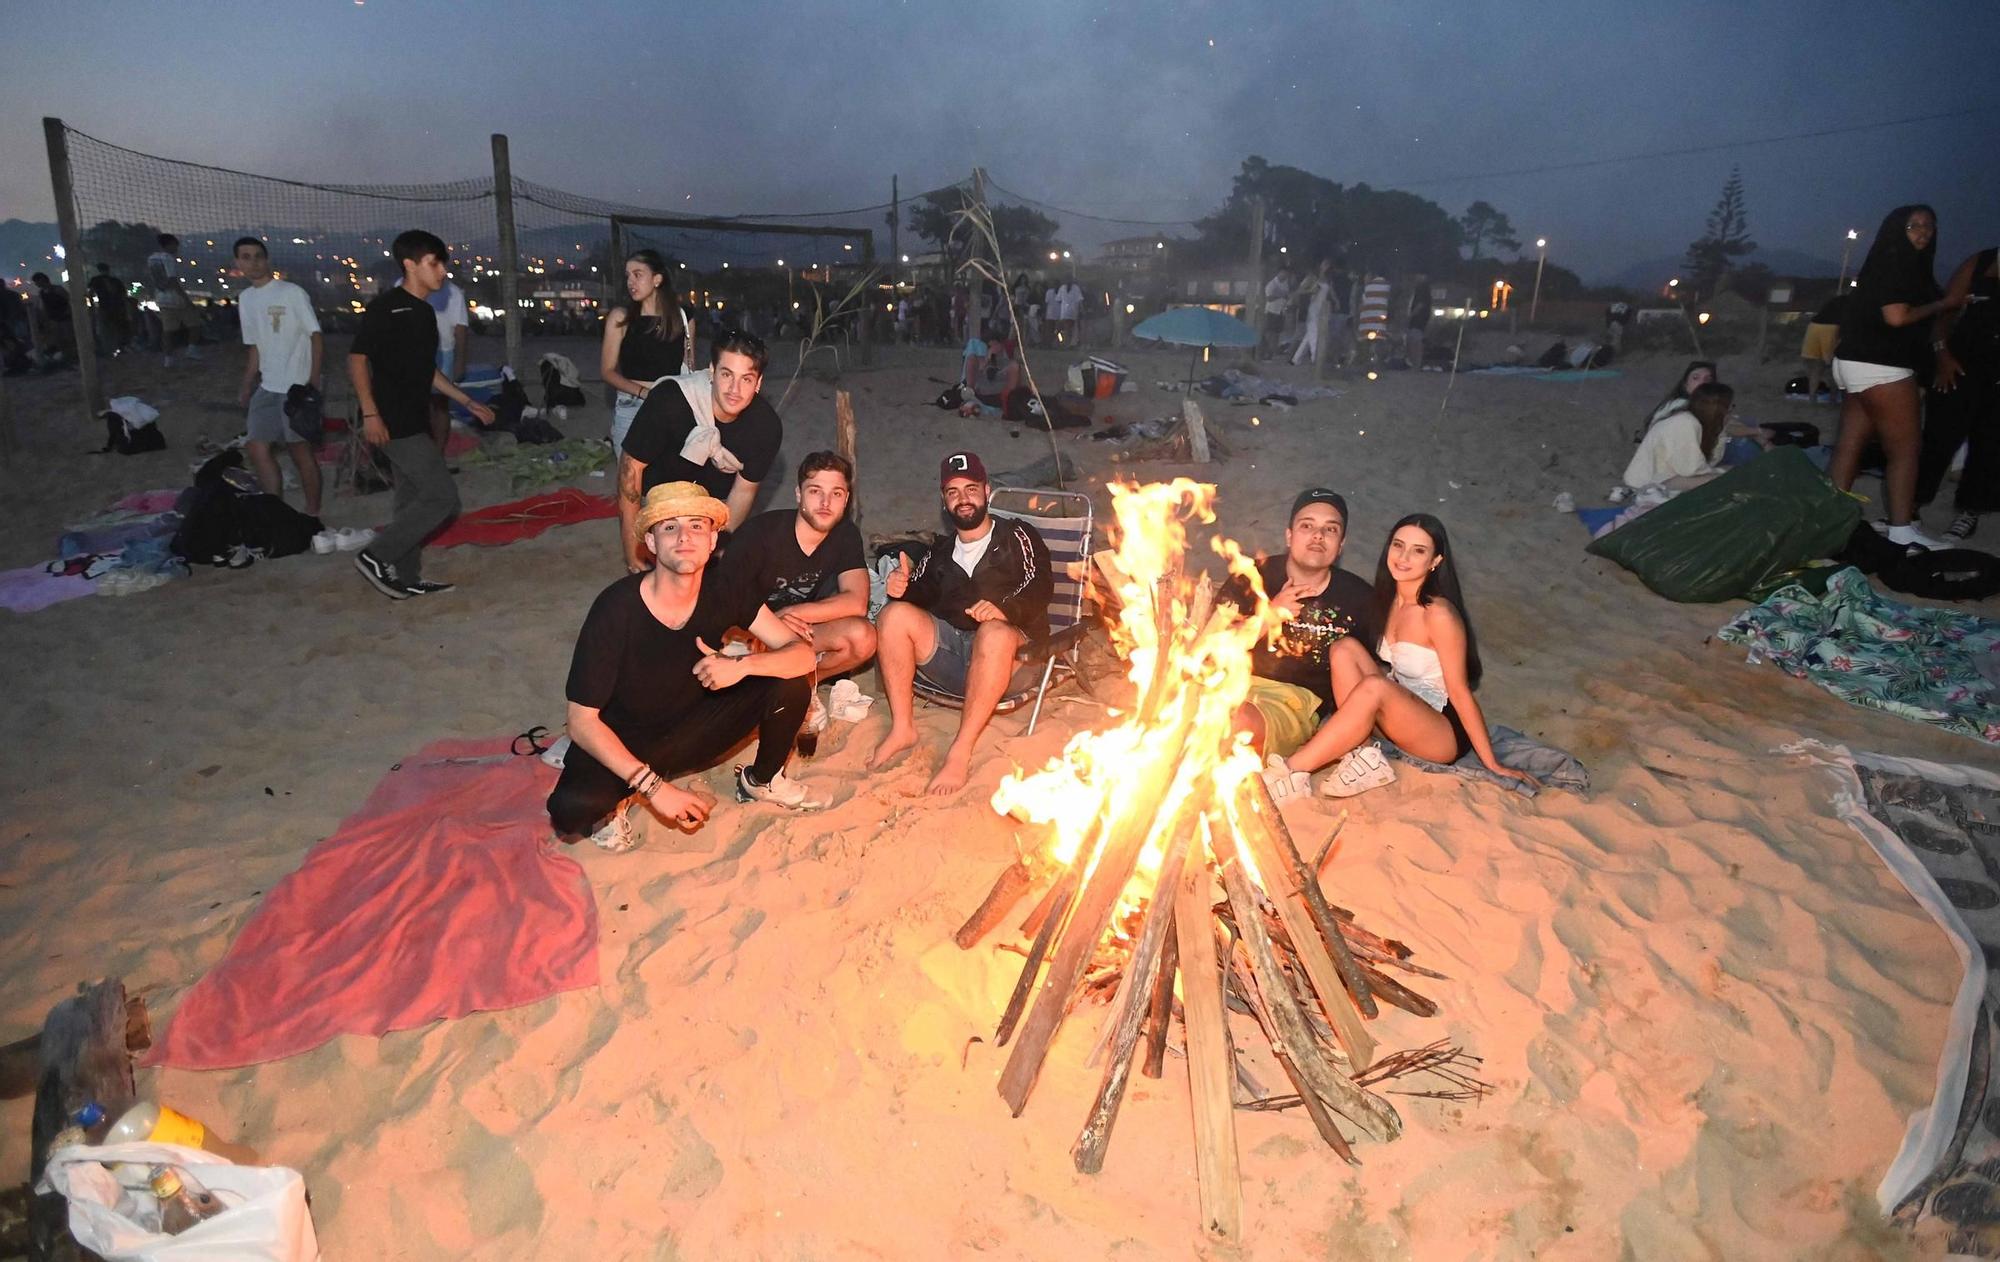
<point>1854,376</point>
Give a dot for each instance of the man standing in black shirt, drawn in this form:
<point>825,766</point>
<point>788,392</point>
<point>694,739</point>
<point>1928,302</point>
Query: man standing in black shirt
<point>393,368</point>
<point>961,616</point>
<point>1291,685</point>
<point>650,698</point>
<point>713,429</point>
<point>55,310</point>
<point>809,565</point>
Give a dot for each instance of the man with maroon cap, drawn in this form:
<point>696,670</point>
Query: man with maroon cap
<point>960,616</point>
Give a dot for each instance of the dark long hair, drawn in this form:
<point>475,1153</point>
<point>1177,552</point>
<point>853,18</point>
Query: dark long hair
<point>1895,270</point>
<point>1680,391</point>
<point>668,328</point>
<point>1440,584</point>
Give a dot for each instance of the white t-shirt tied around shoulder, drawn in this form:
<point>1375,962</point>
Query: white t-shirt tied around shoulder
<point>705,439</point>
<point>278,320</point>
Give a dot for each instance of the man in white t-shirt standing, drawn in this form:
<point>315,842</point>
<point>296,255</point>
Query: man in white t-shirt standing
<point>282,332</point>
<point>454,340</point>
<point>1072,305</point>
<point>178,318</point>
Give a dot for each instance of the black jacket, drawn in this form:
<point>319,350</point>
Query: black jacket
<point>1014,574</point>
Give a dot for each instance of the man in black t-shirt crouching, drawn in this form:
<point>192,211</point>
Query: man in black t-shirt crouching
<point>392,366</point>
<point>809,566</point>
<point>960,617</point>
<point>1291,685</point>
<point>649,696</point>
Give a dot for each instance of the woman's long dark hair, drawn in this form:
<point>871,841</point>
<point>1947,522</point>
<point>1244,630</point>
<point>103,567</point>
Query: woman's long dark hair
<point>1440,583</point>
<point>1680,391</point>
<point>1895,270</point>
<point>668,328</point>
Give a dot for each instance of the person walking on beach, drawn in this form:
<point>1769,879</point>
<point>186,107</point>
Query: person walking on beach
<point>392,366</point>
<point>1277,298</point>
<point>651,698</point>
<point>1317,289</point>
<point>710,427</point>
<point>1884,336</point>
<point>178,318</point>
<point>960,616</point>
<point>646,338</point>
<point>1372,320</point>
<point>114,310</point>
<point>54,303</point>
<point>1419,321</point>
<point>282,332</point>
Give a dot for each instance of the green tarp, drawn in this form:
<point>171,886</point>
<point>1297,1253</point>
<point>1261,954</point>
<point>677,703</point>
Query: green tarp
<point>1737,535</point>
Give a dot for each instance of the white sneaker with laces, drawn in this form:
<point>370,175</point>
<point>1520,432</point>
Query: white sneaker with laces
<point>1363,769</point>
<point>1910,537</point>
<point>782,791</point>
<point>619,833</point>
<point>1283,782</point>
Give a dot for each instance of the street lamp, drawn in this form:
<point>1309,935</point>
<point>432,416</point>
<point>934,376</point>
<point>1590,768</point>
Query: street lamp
<point>1852,237</point>
<point>1541,261</point>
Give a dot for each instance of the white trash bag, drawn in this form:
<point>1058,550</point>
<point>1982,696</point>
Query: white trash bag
<point>265,1219</point>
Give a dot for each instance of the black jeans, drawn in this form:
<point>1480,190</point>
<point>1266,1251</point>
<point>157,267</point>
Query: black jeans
<point>773,708</point>
<point>1968,414</point>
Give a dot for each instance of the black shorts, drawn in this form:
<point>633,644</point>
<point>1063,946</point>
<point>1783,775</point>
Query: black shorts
<point>1462,738</point>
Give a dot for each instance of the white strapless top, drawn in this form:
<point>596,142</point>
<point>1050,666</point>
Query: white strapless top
<point>1417,668</point>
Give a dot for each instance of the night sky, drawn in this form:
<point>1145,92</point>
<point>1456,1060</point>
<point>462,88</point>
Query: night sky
<point>1138,110</point>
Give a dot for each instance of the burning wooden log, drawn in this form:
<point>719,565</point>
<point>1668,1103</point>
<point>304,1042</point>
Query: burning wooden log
<point>1008,888</point>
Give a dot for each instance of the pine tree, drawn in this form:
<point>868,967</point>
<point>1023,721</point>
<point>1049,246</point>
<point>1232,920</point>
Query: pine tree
<point>1726,239</point>
<point>1483,225</point>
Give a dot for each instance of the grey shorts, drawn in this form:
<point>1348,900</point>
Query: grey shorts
<point>267,420</point>
<point>946,667</point>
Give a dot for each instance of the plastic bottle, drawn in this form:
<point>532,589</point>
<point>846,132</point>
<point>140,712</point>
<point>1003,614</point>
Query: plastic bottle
<point>86,1126</point>
<point>147,1121</point>
<point>183,1201</point>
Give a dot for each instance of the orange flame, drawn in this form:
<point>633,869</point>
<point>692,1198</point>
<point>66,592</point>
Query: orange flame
<point>1190,680</point>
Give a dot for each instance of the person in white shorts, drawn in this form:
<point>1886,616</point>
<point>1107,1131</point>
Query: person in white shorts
<point>282,332</point>
<point>1883,341</point>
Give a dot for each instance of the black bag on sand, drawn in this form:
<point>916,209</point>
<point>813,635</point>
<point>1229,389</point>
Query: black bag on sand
<point>1947,574</point>
<point>219,515</point>
<point>129,440</point>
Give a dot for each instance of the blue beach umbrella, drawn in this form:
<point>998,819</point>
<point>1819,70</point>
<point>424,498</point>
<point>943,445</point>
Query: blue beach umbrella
<point>1199,327</point>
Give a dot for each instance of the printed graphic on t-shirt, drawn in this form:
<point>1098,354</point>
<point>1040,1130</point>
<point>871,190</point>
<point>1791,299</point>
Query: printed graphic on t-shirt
<point>1311,633</point>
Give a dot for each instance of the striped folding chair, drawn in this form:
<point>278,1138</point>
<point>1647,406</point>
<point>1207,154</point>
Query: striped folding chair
<point>1063,518</point>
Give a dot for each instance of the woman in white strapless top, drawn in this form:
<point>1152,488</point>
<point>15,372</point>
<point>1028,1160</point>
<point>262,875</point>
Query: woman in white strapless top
<point>1424,702</point>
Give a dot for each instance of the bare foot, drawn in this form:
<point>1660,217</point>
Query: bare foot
<point>897,742</point>
<point>951,777</point>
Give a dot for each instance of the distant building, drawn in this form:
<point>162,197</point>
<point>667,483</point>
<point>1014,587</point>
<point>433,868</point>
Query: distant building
<point>1136,254</point>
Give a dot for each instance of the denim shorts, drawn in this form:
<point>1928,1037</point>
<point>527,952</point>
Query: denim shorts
<point>946,667</point>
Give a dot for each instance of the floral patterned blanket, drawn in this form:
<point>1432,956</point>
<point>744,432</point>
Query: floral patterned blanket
<point>1936,666</point>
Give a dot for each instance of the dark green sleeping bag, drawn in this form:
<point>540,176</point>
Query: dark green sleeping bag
<point>1733,536</point>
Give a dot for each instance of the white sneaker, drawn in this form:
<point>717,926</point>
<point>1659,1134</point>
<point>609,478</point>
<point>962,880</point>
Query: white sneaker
<point>324,543</point>
<point>782,791</point>
<point>1910,537</point>
<point>350,539</point>
<point>619,833</point>
<point>846,703</point>
<point>1363,769</point>
<point>1283,782</point>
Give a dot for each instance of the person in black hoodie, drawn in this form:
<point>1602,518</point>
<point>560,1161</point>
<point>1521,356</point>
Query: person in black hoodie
<point>960,616</point>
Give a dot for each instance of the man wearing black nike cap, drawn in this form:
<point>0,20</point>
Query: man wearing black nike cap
<point>959,616</point>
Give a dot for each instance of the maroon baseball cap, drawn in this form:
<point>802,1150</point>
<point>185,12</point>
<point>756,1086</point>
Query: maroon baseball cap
<point>961,464</point>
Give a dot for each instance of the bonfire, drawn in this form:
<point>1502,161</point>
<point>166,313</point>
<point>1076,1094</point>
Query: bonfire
<point>1142,820</point>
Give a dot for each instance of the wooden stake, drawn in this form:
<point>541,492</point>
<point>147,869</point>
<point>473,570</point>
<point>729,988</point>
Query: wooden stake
<point>1007,890</point>
<point>1162,1013</point>
<point>1032,926</point>
<point>1393,991</point>
<point>1197,431</point>
<point>1124,837</point>
<point>845,444</point>
<point>1292,1036</point>
<point>1058,903</point>
<point>1307,885</point>
<point>1322,1120</point>
<point>1088,1151</point>
<point>1208,1056</point>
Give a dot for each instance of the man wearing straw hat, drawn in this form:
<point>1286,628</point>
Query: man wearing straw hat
<point>650,698</point>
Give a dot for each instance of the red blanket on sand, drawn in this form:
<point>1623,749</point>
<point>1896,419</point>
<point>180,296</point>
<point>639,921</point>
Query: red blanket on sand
<point>442,895</point>
<point>524,519</point>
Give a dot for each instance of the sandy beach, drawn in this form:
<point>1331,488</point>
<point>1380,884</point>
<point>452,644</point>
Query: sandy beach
<point>1705,1007</point>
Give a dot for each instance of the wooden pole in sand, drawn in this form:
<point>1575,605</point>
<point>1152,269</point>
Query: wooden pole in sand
<point>1208,1056</point>
<point>846,444</point>
<point>869,296</point>
<point>1253,303</point>
<point>895,235</point>
<point>973,285</point>
<point>57,137</point>
<point>510,255</point>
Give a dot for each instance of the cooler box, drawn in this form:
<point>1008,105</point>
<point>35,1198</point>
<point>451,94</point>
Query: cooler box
<point>1101,378</point>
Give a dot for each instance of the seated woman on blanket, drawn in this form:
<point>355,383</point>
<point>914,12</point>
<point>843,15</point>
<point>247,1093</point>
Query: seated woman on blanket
<point>1698,373</point>
<point>1684,448</point>
<point>1423,701</point>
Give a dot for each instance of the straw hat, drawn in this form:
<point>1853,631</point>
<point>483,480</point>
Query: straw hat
<point>681,499</point>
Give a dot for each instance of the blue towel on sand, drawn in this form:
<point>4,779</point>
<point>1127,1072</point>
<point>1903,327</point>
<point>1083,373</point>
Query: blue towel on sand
<point>1553,767</point>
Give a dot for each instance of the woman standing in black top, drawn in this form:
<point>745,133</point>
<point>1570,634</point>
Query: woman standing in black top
<point>645,339</point>
<point>1882,346</point>
<point>1964,403</point>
